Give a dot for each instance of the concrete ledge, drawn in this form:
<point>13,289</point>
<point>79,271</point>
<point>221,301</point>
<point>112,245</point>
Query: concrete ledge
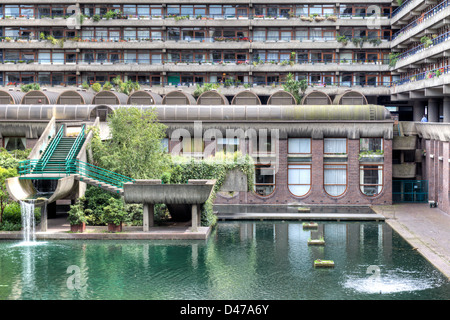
<point>304,216</point>
<point>129,233</point>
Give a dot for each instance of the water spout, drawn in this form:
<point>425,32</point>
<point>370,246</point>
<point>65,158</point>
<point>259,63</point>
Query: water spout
<point>28,221</point>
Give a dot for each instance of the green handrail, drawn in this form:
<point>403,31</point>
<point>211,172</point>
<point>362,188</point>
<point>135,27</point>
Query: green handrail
<point>76,144</point>
<point>88,170</point>
<point>52,146</point>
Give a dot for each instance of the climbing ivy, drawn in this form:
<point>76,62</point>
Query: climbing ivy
<point>217,167</point>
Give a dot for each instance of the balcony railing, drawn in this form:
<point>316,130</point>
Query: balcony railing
<point>375,41</point>
<point>404,5</point>
<point>424,17</point>
<point>304,17</point>
<point>226,84</point>
<point>435,41</point>
<point>223,62</point>
<point>435,73</point>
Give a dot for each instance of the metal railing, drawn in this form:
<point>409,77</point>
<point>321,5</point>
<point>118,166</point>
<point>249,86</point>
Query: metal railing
<point>330,16</point>
<point>172,61</point>
<point>52,146</point>
<point>91,171</point>
<point>77,144</point>
<point>430,74</point>
<point>435,41</point>
<point>425,16</point>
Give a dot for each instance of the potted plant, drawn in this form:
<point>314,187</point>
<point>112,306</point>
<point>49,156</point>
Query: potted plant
<point>77,216</point>
<point>114,215</point>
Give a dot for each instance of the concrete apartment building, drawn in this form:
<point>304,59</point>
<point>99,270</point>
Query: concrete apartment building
<point>350,52</point>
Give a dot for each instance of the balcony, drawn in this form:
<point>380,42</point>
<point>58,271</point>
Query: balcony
<point>404,170</point>
<point>404,143</point>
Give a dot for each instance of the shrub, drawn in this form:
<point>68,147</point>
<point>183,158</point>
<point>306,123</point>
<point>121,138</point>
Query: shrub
<point>107,86</point>
<point>114,212</point>
<point>77,213</point>
<point>97,87</point>
<point>96,200</point>
<point>12,213</point>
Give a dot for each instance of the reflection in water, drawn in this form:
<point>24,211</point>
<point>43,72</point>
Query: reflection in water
<point>241,260</point>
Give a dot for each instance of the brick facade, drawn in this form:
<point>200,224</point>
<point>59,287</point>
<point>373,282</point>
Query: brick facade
<point>317,194</point>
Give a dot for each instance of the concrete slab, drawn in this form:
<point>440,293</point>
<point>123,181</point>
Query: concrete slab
<point>304,216</point>
<point>426,229</point>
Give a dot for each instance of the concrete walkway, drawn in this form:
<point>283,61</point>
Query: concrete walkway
<point>426,229</point>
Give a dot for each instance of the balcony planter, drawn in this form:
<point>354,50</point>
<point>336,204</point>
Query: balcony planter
<point>371,158</point>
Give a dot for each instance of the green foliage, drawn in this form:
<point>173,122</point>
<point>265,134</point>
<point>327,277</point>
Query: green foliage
<point>29,87</point>
<point>135,150</point>
<point>12,213</point>
<point>114,212</point>
<point>165,178</point>
<point>5,173</point>
<point>77,212</point>
<point>393,58</point>
<point>107,86</point>
<point>96,18</point>
<point>295,87</point>
<point>217,168</point>
<point>97,87</point>
<point>12,159</point>
<point>85,85</point>
<point>426,41</point>
<point>206,87</point>
<point>96,200</point>
<point>368,153</point>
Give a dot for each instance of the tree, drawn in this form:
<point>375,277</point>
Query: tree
<point>135,149</point>
<point>294,87</point>
<point>5,173</point>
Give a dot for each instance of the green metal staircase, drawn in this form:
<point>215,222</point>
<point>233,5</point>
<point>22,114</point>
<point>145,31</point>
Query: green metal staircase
<point>59,159</point>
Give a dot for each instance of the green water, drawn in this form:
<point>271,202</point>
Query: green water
<point>241,260</point>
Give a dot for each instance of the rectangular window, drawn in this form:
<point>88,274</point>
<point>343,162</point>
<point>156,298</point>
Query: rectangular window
<point>264,179</point>
<point>299,145</point>
<point>227,145</point>
<point>370,145</point>
<point>335,146</point>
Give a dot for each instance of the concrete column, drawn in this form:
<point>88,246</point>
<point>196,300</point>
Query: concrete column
<point>433,110</point>
<point>418,110</point>
<point>194,218</point>
<point>446,109</point>
<point>148,216</point>
<point>44,218</point>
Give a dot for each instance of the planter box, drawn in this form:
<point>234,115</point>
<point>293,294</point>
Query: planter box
<point>372,158</point>
<point>113,228</point>
<point>316,242</point>
<point>310,225</point>
<point>323,263</point>
<point>78,227</point>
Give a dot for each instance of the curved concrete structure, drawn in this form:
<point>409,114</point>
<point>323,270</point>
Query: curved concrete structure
<point>144,97</point>
<point>11,97</point>
<point>183,200</point>
<point>246,97</point>
<point>350,97</point>
<point>179,97</point>
<point>110,97</point>
<point>212,97</point>
<point>316,97</point>
<point>281,97</point>
<point>72,97</point>
<point>39,97</point>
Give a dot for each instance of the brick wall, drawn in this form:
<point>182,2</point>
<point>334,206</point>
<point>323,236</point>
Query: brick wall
<point>317,194</point>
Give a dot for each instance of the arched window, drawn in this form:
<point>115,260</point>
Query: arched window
<point>335,179</point>
<point>299,179</point>
<point>371,179</point>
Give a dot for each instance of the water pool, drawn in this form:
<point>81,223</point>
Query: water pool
<point>240,260</point>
